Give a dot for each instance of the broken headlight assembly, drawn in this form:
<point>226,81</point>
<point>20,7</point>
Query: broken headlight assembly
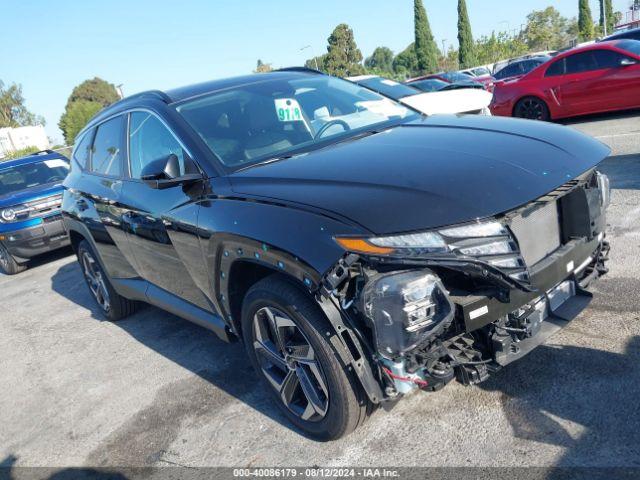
<point>487,241</point>
<point>406,309</point>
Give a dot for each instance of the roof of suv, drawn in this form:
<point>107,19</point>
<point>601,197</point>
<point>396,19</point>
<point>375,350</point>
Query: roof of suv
<point>32,158</point>
<point>190,91</point>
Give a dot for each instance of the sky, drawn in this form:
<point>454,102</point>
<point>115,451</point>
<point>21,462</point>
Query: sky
<point>51,46</point>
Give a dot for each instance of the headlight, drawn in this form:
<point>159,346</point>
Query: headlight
<point>8,215</point>
<point>416,244</point>
<point>406,308</point>
<point>605,189</point>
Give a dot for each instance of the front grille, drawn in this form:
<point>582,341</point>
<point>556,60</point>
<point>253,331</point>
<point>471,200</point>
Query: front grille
<point>39,208</point>
<point>537,232</point>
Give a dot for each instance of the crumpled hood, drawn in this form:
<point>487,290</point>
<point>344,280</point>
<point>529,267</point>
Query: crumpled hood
<point>436,171</point>
<point>29,194</point>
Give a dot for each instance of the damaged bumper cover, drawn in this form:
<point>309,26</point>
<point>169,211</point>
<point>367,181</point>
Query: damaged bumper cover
<point>421,322</point>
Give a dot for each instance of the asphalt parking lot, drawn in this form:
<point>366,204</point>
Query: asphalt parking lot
<point>156,390</point>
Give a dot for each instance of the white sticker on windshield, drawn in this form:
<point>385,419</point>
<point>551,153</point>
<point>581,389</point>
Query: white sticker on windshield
<point>288,110</point>
<point>56,163</point>
<point>389,82</point>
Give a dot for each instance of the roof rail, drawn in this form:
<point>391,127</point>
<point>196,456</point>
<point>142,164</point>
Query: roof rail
<point>152,93</point>
<point>301,69</point>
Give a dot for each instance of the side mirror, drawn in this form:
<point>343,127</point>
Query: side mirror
<point>165,173</point>
<point>627,62</point>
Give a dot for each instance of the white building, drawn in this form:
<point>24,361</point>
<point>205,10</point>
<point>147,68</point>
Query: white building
<point>12,139</point>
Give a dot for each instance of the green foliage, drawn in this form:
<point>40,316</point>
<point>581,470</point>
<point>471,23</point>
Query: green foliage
<point>76,116</point>
<point>499,47</point>
<point>343,56</point>
<point>85,101</point>
<point>585,21</point>
<point>548,30</point>
<point>262,67</point>
<point>95,90</point>
<point>405,63</point>
<point>381,59</point>
<point>23,152</point>
<point>426,50</point>
<point>466,52</point>
<point>13,111</point>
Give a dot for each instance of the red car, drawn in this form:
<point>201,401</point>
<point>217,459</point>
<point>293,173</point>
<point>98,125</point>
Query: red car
<point>596,78</point>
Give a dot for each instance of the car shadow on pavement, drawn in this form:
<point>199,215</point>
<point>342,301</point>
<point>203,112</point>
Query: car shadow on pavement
<point>225,366</point>
<point>599,117</point>
<point>623,171</point>
<point>582,399</point>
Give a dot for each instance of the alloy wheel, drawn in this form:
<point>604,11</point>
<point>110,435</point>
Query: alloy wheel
<point>95,281</point>
<point>531,108</point>
<point>289,363</point>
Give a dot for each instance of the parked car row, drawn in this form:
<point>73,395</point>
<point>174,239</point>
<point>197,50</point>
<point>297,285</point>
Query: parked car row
<point>359,249</point>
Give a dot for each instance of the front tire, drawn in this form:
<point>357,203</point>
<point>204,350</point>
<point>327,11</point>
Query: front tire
<point>284,332</point>
<point>112,305</point>
<point>532,108</point>
<point>8,264</point>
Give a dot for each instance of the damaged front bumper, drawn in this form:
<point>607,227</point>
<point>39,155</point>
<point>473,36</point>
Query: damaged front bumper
<point>484,331</point>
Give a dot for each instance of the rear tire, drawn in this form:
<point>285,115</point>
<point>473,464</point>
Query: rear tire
<point>284,332</point>
<point>8,264</point>
<point>532,108</point>
<point>113,305</point>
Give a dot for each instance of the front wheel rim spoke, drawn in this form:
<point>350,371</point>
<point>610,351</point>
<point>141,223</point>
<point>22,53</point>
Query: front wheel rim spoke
<point>318,406</point>
<point>270,355</point>
<point>288,387</point>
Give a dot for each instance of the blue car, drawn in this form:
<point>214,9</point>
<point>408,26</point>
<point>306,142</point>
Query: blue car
<point>30,199</point>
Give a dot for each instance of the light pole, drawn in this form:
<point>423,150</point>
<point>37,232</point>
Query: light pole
<point>119,91</point>
<point>444,54</point>
<point>315,59</point>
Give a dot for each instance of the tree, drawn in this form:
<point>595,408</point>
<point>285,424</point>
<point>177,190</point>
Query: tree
<point>405,64</point>
<point>466,53</point>
<point>85,101</point>
<point>499,47</point>
<point>585,21</point>
<point>95,90</point>
<point>262,67</point>
<point>13,111</point>
<point>381,59</point>
<point>547,30</point>
<point>75,117</point>
<point>343,56</point>
<point>426,49</point>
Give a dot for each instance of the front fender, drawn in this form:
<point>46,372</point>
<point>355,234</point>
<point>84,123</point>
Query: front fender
<point>295,242</point>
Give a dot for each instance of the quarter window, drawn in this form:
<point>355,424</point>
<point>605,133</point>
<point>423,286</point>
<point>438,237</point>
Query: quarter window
<point>150,140</point>
<point>107,148</point>
<point>82,150</point>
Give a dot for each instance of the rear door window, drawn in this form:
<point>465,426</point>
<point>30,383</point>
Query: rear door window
<point>608,58</point>
<point>108,147</point>
<point>581,62</point>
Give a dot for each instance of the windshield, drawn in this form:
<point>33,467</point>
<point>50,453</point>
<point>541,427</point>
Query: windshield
<point>632,46</point>
<point>388,88</point>
<point>21,177</point>
<point>455,77</point>
<point>276,117</point>
<point>429,85</point>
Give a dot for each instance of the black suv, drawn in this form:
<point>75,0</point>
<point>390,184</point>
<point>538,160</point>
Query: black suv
<point>358,249</point>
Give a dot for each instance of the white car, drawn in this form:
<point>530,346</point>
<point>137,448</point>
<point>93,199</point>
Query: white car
<point>450,98</point>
